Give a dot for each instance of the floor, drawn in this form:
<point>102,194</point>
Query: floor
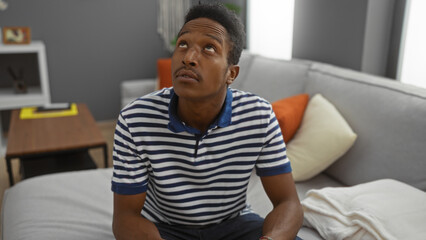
<point>107,129</point>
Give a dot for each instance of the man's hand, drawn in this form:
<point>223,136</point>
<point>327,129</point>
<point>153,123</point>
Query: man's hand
<point>127,220</point>
<point>285,220</point>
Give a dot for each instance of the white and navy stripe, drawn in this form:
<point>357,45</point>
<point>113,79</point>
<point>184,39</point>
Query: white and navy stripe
<point>193,178</point>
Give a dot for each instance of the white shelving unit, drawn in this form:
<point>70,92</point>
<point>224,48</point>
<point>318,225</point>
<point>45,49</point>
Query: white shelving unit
<point>36,96</point>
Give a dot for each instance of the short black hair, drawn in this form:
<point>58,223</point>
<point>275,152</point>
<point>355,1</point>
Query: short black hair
<point>228,19</point>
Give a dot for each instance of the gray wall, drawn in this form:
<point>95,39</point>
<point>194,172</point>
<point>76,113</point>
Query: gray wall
<point>330,31</point>
<point>92,45</point>
<point>363,35</point>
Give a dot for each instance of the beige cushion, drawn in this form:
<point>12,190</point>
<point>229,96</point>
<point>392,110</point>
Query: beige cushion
<point>322,138</point>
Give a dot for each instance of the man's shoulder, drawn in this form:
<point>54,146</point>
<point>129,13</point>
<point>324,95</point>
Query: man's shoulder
<point>243,97</point>
<point>156,100</point>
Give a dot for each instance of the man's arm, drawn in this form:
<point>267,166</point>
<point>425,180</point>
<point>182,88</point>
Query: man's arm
<point>285,220</point>
<point>127,220</point>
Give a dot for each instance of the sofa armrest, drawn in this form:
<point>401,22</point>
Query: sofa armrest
<point>132,89</point>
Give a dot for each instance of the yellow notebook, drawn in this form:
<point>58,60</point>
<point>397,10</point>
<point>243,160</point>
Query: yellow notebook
<point>32,113</point>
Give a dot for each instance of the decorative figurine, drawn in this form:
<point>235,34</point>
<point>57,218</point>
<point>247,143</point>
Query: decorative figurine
<point>18,80</point>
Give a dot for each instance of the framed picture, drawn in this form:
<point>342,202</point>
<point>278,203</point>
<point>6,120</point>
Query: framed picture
<point>16,35</point>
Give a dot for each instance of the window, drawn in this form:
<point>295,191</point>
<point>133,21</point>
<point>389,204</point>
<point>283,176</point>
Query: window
<point>412,67</point>
<point>270,28</point>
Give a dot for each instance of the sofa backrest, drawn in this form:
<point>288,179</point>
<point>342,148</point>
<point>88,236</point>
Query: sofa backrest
<point>389,118</point>
<point>269,78</point>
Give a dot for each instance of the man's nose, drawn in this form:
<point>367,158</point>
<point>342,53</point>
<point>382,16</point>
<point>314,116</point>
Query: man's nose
<point>191,57</point>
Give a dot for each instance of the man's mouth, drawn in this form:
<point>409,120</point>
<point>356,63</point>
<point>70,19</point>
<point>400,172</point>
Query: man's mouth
<point>187,75</point>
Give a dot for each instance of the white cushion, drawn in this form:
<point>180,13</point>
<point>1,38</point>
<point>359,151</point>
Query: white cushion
<point>323,137</point>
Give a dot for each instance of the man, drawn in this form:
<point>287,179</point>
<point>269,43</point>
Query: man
<point>183,155</point>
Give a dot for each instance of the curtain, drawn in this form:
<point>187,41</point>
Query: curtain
<point>171,14</point>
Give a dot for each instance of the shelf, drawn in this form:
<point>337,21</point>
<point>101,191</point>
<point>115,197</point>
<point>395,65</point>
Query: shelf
<point>11,100</point>
<point>35,46</point>
<point>38,95</point>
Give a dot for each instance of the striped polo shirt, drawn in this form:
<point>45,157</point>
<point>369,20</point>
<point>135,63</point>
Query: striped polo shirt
<point>194,178</point>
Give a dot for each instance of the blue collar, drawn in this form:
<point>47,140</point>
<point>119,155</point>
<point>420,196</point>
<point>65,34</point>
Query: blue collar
<point>176,125</point>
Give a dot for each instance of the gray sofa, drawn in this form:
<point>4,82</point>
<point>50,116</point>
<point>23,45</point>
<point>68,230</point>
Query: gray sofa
<point>388,117</point>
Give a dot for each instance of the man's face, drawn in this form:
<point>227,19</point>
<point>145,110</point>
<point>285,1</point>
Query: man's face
<point>200,69</point>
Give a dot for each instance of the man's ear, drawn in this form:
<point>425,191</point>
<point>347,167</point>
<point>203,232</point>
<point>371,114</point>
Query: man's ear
<point>234,70</point>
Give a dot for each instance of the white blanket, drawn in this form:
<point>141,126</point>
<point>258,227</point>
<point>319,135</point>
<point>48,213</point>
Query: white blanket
<point>383,209</point>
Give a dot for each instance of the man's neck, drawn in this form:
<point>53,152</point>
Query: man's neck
<point>200,114</point>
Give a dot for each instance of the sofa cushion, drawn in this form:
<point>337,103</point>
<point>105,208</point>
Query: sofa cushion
<point>389,119</point>
<point>275,79</point>
<point>289,113</point>
<point>260,203</point>
<point>132,89</point>
<point>69,205</point>
<point>245,62</point>
<point>323,137</point>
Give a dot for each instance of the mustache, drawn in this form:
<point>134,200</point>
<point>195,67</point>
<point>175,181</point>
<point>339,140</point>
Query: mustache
<point>190,69</point>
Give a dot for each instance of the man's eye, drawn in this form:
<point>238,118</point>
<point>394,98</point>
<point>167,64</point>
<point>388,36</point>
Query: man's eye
<point>182,45</point>
<point>210,48</point>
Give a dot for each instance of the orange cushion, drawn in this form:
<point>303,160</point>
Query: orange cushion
<point>164,72</point>
<point>289,113</point>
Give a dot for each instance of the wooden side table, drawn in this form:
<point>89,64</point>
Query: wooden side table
<point>63,138</point>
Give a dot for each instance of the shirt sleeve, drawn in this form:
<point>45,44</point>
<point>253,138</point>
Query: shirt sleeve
<point>273,157</point>
<point>130,175</point>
